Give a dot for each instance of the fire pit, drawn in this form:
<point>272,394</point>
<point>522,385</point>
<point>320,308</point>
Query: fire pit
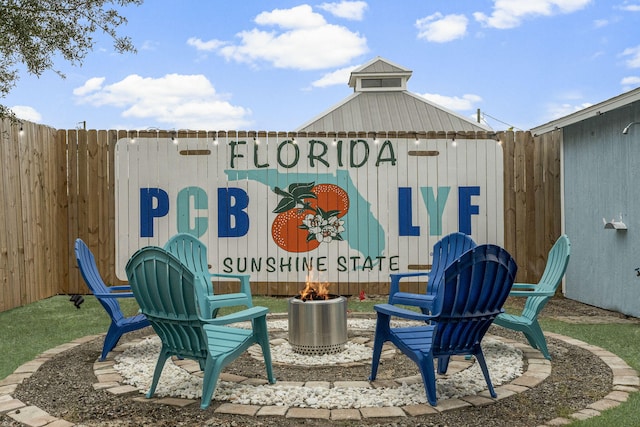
<point>317,322</point>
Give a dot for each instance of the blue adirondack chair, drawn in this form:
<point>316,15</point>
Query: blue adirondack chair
<point>537,296</point>
<point>167,293</point>
<point>193,253</point>
<point>445,251</point>
<point>108,297</point>
<point>474,290</point>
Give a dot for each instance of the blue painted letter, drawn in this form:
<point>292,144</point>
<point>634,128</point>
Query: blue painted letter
<point>405,219</point>
<point>231,203</point>
<point>465,208</point>
<point>147,210</point>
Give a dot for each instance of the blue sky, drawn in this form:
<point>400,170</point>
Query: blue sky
<point>274,65</point>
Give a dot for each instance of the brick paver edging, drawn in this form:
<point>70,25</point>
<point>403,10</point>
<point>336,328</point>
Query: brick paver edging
<point>625,381</point>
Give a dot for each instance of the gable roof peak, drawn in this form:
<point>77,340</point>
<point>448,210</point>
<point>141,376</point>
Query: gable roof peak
<point>379,67</point>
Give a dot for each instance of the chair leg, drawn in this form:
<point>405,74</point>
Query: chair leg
<point>443,364</point>
<point>262,336</point>
<point>110,340</point>
<point>536,338</point>
<point>381,335</point>
<point>162,358</point>
<point>485,371</point>
<point>428,377</point>
<point>212,370</point>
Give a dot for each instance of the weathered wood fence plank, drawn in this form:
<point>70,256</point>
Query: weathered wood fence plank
<point>58,185</point>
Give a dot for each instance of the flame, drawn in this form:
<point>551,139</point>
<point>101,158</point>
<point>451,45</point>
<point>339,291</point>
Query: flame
<point>314,290</point>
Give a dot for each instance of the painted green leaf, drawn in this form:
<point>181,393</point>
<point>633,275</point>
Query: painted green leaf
<point>285,204</point>
<point>302,191</point>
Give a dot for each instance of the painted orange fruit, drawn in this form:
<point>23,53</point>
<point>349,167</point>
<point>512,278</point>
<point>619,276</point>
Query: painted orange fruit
<point>288,235</point>
<point>330,197</point>
<point>288,229</point>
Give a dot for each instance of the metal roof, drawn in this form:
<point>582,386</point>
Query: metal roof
<point>595,110</point>
<point>387,109</point>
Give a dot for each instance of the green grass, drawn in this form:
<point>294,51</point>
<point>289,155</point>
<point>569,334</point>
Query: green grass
<point>621,340</point>
<point>27,331</point>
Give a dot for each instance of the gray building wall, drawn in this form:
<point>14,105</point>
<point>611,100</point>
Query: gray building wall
<point>602,179</point>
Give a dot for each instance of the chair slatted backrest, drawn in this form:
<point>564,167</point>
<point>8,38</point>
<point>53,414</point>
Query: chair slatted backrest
<point>190,251</point>
<point>93,279</point>
<point>445,251</point>
<point>164,289</point>
<point>476,287</point>
<point>554,270</point>
<point>193,253</point>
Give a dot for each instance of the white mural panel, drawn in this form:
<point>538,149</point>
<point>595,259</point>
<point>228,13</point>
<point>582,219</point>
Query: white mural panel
<point>351,209</point>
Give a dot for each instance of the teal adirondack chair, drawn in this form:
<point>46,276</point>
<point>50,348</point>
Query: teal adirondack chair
<point>167,293</point>
<point>473,291</point>
<point>193,253</point>
<point>445,251</point>
<point>537,297</point>
<point>108,297</point>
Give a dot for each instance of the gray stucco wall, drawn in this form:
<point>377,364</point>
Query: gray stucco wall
<point>602,179</point>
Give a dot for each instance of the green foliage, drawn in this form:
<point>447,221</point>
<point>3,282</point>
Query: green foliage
<point>34,32</point>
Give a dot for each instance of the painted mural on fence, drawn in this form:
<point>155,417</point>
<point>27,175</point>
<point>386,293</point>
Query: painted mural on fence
<point>351,209</point>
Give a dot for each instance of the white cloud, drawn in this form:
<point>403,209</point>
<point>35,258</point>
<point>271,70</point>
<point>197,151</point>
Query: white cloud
<point>296,17</point>
<point>26,113</point>
<point>353,10</point>
<point>630,6</point>
<point>91,85</point>
<point>302,40</point>
<point>600,23</point>
<point>510,13</point>
<point>181,101</point>
<point>456,103</point>
<point>149,45</point>
<point>556,111</point>
<point>633,54</point>
<point>202,45</point>
<point>337,77</point>
<point>439,28</point>
<point>630,82</point>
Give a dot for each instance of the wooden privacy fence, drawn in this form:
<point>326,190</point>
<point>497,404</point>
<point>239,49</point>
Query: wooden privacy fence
<point>58,185</point>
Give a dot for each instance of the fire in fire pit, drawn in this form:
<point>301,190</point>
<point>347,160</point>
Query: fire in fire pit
<point>315,291</point>
<point>317,321</point>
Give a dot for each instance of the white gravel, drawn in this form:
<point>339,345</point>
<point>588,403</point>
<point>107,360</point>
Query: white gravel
<point>136,365</point>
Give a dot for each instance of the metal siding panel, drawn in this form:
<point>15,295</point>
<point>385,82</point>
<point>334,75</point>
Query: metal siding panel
<point>601,177</point>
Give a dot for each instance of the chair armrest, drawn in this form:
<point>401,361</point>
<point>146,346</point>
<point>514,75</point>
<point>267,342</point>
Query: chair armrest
<point>392,310</point>
<point>524,286</point>
<point>245,285</point>
<point>395,281</point>
<point>114,295</point>
<point>238,316</point>
<point>414,300</point>
<point>119,288</point>
<point>531,293</point>
<point>228,300</point>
